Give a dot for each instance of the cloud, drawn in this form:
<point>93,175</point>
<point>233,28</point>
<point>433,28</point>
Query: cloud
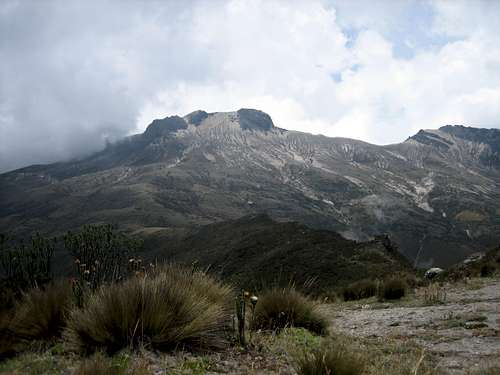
<point>74,74</point>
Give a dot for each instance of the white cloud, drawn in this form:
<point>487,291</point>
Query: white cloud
<point>74,73</point>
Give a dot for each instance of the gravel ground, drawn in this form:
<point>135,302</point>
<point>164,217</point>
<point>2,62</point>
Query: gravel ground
<point>463,332</point>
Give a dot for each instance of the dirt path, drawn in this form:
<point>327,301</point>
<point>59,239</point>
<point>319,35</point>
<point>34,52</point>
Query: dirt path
<point>463,332</point>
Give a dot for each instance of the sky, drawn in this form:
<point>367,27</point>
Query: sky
<point>77,74</point>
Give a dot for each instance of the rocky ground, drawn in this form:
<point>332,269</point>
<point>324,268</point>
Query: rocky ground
<point>460,328</point>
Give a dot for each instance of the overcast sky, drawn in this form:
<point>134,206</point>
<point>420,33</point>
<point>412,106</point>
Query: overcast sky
<point>75,73</point>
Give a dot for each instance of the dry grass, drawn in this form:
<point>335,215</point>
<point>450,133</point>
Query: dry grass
<point>432,294</point>
<point>494,370</point>
<point>360,290</point>
<point>39,316</point>
<point>331,359</point>
<point>392,289</point>
<point>6,336</point>
<point>174,308</point>
<point>99,364</point>
<point>279,308</point>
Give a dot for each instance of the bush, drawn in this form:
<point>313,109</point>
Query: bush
<point>330,360</point>
<point>24,266</point>
<point>101,255</point>
<point>176,307</point>
<point>359,290</point>
<point>392,289</point>
<point>286,307</point>
<point>42,313</point>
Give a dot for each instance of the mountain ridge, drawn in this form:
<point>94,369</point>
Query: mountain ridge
<point>436,193</point>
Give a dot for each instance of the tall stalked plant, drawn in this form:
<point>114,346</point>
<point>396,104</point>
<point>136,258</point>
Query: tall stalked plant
<point>101,255</point>
<point>26,264</point>
<point>174,307</point>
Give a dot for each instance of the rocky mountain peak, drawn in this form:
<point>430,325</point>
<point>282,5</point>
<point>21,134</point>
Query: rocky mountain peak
<point>196,117</point>
<point>247,119</point>
<point>254,119</point>
<point>166,126</point>
<point>478,135</point>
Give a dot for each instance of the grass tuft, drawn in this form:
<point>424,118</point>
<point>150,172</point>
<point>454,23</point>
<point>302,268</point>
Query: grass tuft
<point>100,364</point>
<point>359,290</point>
<point>279,308</point>
<point>175,307</point>
<point>335,359</point>
<point>393,289</point>
<point>39,316</point>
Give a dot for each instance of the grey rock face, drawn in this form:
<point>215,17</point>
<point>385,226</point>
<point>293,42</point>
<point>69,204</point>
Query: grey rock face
<point>253,119</point>
<point>437,194</point>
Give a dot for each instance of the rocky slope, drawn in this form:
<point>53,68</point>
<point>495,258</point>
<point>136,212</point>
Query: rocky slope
<point>437,194</point>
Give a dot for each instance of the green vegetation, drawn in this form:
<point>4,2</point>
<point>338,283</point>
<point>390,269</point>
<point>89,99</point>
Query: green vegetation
<point>23,266</point>
<point>172,308</point>
<point>101,255</point>
<point>117,306</point>
<point>279,308</point>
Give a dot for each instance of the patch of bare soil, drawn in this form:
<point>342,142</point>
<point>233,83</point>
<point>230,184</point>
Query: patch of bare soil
<point>463,332</point>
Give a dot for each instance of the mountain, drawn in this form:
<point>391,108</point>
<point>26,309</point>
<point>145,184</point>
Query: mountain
<point>437,194</point>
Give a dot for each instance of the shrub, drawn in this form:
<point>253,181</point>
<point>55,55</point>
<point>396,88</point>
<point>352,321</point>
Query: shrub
<point>175,307</point>
<point>334,360</point>
<point>42,313</point>
<point>286,307</point>
<point>101,255</point>
<point>392,289</point>
<point>359,290</point>
<point>24,266</point>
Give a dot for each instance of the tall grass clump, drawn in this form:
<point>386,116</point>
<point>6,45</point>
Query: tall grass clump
<point>432,294</point>
<point>41,314</point>
<point>279,308</point>
<point>392,289</point>
<point>359,290</point>
<point>334,360</point>
<point>174,307</point>
<point>6,336</point>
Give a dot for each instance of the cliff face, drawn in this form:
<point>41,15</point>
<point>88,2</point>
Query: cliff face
<point>436,194</point>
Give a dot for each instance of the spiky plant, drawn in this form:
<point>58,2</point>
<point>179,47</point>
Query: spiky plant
<point>287,307</point>
<point>174,307</point>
